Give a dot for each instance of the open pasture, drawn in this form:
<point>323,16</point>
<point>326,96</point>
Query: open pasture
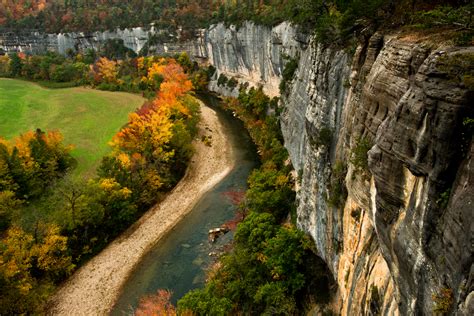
<point>87,118</point>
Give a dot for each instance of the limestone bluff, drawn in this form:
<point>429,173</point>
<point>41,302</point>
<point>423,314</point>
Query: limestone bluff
<point>391,246</point>
<point>36,42</point>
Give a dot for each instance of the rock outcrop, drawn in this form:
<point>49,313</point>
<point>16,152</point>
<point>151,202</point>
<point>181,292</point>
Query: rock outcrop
<point>400,240</point>
<point>136,39</point>
<point>253,53</point>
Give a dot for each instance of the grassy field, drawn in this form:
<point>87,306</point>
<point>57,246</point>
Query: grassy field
<point>87,118</point>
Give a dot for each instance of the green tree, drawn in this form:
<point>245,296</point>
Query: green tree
<point>9,205</point>
<point>16,65</point>
<point>270,191</point>
<point>90,56</point>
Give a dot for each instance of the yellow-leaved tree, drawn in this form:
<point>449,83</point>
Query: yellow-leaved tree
<point>29,264</point>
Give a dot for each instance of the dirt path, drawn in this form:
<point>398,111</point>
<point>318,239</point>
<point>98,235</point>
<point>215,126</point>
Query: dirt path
<point>95,287</point>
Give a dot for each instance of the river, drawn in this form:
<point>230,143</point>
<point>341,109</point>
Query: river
<point>178,261</point>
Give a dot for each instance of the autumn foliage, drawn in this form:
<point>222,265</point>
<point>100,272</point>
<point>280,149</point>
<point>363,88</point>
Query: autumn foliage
<point>18,9</point>
<point>30,263</point>
<point>150,151</point>
<point>156,305</point>
<point>31,161</point>
<point>69,220</point>
<point>105,70</point>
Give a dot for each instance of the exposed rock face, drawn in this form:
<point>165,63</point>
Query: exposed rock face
<point>253,53</point>
<point>400,239</point>
<point>134,38</point>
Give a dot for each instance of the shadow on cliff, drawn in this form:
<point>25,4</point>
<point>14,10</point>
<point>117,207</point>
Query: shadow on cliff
<point>320,285</point>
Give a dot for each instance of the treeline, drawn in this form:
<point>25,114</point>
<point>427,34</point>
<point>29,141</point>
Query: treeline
<point>330,19</point>
<point>86,15</point>
<point>337,21</point>
<point>106,72</point>
<point>14,10</point>
<point>51,222</point>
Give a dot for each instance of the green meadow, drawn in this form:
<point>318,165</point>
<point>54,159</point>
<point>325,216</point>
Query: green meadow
<point>87,118</point>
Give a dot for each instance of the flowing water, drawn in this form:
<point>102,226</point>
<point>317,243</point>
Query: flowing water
<point>179,260</point>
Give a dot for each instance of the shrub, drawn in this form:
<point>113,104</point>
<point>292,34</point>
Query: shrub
<point>443,300</point>
<point>63,73</point>
<point>204,302</point>
<point>58,85</point>
<point>443,15</point>
<point>466,134</point>
<point>319,137</point>
<point>325,136</point>
<point>270,191</point>
<point>222,80</point>
<point>355,214</point>
<point>16,63</point>
<point>375,300</point>
<point>464,38</point>
<point>337,186</point>
<point>459,68</point>
<point>288,73</point>
<point>232,83</point>
<point>443,199</point>
<point>116,49</point>
<point>4,66</point>
<point>200,79</point>
<point>108,87</point>
<point>157,304</point>
<point>211,70</point>
<point>359,154</point>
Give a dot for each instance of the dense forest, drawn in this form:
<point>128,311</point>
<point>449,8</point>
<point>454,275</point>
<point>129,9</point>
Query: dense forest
<point>329,18</point>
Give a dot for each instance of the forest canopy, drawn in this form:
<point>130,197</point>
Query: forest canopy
<point>87,15</point>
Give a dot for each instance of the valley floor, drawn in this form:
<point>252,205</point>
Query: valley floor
<point>95,287</point>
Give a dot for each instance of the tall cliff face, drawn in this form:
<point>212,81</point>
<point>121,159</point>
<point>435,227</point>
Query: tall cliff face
<point>400,242</point>
<point>253,53</point>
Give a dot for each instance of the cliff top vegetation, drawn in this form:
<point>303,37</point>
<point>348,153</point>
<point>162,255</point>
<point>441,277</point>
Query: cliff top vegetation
<point>328,18</point>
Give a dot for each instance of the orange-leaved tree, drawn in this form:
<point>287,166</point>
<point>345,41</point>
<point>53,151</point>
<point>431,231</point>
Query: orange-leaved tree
<point>105,71</point>
<point>156,305</point>
<point>147,152</point>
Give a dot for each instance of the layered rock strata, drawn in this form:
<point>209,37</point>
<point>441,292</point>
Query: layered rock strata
<point>400,242</point>
<point>134,38</point>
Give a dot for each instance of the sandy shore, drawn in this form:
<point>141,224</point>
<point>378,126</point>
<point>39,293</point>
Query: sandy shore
<point>95,287</point>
